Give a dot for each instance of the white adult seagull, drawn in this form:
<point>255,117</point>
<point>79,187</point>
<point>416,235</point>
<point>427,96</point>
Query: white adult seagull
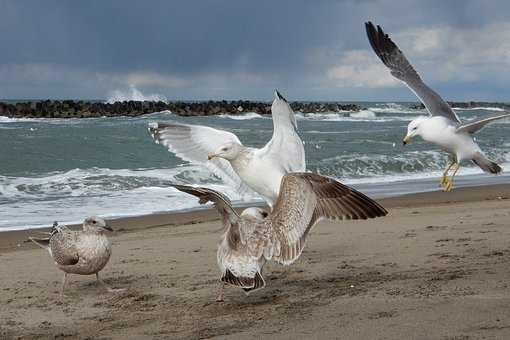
<point>443,127</point>
<point>244,168</point>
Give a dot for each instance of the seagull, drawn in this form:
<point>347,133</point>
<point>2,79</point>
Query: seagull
<point>442,127</point>
<point>83,252</point>
<point>256,236</point>
<point>245,168</point>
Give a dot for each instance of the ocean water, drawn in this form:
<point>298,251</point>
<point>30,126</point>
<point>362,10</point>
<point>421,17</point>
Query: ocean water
<point>64,170</point>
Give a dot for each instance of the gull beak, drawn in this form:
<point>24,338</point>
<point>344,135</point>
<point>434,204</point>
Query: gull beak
<point>406,140</point>
<point>211,156</point>
<point>107,227</point>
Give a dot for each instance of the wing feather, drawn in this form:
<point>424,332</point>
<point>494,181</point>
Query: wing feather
<point>401,68</point>
<point>193,143</point>
<point>63,248</point>
<point>285,146</point>
<point>478,124</point>
<point>304,200</point>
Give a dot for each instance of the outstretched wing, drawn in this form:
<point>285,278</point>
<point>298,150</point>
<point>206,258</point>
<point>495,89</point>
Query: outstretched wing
<point>193,143</point>
<point>285,146</point>
<point>400,68</point>
<point>478,124</point>
<point>221,202</point>
<point>305,199</point>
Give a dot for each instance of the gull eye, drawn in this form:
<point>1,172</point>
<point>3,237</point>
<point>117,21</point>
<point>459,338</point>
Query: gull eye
<point>224,149</point>
<point>94,222</point>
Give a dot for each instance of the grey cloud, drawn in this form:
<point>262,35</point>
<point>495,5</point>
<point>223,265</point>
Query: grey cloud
<point>228,49</point>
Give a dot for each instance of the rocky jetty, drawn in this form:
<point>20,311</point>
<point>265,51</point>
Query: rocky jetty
<point>469,105</point>
<point>88,109</point>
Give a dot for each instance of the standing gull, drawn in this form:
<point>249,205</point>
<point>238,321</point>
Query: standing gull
<point>244,168</point>
<point>443,127</point>
<point>83,252</point>
<point>254,237</point>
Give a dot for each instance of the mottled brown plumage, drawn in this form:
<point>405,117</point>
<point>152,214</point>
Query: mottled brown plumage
<point>250,240</point>
<point>83,252</point>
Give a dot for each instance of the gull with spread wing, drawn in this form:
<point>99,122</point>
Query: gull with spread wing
<point>254,237</point>
<point>442,127</point>
<point>244,168</point>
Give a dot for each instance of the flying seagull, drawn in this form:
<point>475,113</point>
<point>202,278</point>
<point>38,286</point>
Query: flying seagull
<point>83,252</point>
<point>242,167</point>
<point>254,237</point>
<point>442,127</point>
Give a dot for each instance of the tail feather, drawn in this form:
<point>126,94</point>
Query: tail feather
<point>41,242</point>
<point>248,284</point>
<point>486,165</point>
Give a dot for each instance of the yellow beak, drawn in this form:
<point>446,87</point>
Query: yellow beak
<point>406,140</point>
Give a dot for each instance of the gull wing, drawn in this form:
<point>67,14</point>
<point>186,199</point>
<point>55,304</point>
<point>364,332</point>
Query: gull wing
<point>400,68</point>
<point>285,146</point>
<point>193,143</point>
<point>63,248</point>
<point>476,125</point>
<point>221,202</point>
<point>304,200</point>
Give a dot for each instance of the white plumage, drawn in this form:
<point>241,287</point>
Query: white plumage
<point>244,168</point>
<point>443,127</point>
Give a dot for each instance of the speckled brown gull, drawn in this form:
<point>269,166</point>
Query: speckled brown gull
<point>254,237</point>
<point>83,252</point>
<point>246,169</point>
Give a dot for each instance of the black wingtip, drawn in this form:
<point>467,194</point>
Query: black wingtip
<point>279,95</point>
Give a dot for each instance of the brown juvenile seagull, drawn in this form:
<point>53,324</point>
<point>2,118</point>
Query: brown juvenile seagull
<point>254,237</point>
<point>83,252</point>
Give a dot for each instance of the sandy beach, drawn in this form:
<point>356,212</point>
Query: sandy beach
<point>437,267</point>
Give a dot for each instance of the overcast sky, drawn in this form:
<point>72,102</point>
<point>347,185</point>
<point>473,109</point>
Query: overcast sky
<point>219,49</point>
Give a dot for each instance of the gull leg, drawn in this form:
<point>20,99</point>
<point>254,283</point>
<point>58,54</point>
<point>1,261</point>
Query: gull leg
<point>108,289</point>
<point>221,292</point>
<point>64,282</point>
<point>449,185</point>
<point>444,179</point>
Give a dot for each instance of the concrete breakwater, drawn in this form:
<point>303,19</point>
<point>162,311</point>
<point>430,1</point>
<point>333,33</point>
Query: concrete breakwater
<point>88,109</point>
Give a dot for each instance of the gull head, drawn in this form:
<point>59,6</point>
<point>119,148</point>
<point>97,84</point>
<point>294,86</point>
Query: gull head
<point>414,128</point>
<point>257,213</point>
<point>228,151</point>
<point>94,223</point>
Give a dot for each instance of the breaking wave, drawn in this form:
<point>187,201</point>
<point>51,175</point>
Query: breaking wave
<point>243,116</point>
<point>134,94</point>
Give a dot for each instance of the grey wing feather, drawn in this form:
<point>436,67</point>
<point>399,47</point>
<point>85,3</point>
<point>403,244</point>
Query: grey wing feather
<point>193,143</point>
<point>307,198</point>
<point>400,68</point>
<point>477,124</point>
<point>63,248</point>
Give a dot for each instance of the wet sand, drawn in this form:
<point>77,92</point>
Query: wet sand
<point>438,267</point>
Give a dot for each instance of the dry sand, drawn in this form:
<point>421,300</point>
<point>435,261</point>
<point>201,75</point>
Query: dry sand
<point>436,268</point>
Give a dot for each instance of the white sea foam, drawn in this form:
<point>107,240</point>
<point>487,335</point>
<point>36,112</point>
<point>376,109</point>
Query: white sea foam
<point>364,114</point>
<point>244,116</point>
<point>134,94</point>
<point>360,116</point>
<point>70,196</point>
<point>478,108</point>
<point>4,119</point>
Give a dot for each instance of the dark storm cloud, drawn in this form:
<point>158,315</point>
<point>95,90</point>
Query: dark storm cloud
<point>202,49</point>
